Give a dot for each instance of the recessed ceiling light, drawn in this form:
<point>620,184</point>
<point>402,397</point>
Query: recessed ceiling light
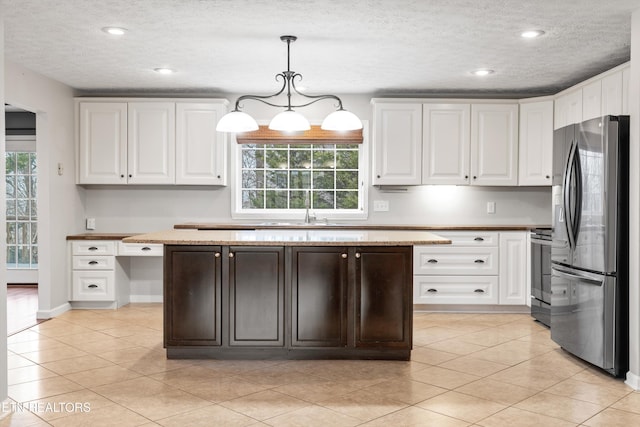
<point>531,34</point>
<point>115,31</point>
<point>164,70</point>
<point>482,72</point>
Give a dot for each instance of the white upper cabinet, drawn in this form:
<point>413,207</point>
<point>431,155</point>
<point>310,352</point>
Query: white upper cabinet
<point>143,141</point>
<point>446,143</point>
<point>397,143</point>
<point>592,100</point>
<point>536,143</point>
<point>625,90</point>
<point>494,144</point>
<point>200,151</point>
<point>612,94</point>
<point>102,143</point>
<point>568,109</point>
<point>151,143</point>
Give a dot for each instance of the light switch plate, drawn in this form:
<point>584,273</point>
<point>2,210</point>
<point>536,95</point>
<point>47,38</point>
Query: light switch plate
<point>381,205</point>
<point>491,207</point>
<point>91,223</point>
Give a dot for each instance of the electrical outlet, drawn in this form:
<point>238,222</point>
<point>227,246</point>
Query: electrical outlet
<point>91,224</point>
<point>381,205</point>
<point>60,169</point>
<point>491,207</point>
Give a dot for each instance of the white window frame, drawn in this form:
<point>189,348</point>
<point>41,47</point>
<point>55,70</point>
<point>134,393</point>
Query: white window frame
<point>237,212</point>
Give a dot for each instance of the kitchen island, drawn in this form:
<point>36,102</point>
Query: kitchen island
<point>298,294</point>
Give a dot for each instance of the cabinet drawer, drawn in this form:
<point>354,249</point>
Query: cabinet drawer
<point>470,238</point>
<point>455,261</point>
<point>93,286</point>
<point>100,262</point>
<point>93,247</point>
<point>139,249</point>
<point>455,290</point>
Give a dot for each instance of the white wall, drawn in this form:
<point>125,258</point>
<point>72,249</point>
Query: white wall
<point>633,376</point>
<point>60,208</point>
<point>3,235</point>
<point>143,209</point>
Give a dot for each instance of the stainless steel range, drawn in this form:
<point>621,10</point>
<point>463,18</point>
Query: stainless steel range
<point>541,275</point>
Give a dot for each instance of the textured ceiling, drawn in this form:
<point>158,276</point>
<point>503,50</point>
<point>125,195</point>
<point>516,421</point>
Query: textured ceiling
<point>379,47</point>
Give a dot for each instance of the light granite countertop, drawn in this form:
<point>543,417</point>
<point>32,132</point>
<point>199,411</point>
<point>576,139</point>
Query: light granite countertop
<point>280,237</point>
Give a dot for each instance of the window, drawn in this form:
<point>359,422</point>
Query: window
<point>22,216</point>
<point>281,180</point>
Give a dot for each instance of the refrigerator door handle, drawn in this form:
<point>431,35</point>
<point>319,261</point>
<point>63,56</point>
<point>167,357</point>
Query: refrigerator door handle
<point>566,195</point>
<point>582,278</point>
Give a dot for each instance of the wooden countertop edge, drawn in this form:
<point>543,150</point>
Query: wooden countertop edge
<point>101,236</point>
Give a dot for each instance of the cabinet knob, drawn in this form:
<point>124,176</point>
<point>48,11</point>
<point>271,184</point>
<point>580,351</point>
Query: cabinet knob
<point>217,255</point>
<point>479,239</point>
<point>130,176</point>
<point>92,286</point>
<point>432,261</point>
<point>343,255</point>
<point>475,177</point>
<point>479,261</point>
<point>231,255</point>
<point>378,176</point>
<point>219,177</point>
<point>93,262</point>
<point>479,291</point>
<point>432,290</point>
<point>466,177</point>
<point>122,176</point>
<point>357,254</point>
<point>548,177</point>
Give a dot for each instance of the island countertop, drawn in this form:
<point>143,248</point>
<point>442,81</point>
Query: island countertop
<point>284,237</point>
<point>319,225</point>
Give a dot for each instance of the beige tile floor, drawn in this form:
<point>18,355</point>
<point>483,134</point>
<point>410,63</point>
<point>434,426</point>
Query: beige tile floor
<point>107,368</point>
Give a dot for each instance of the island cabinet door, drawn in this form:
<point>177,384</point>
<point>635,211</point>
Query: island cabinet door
<point>256,296</point>
<point>383,297</point>
<point>319,296</point>
<point>192,284</point>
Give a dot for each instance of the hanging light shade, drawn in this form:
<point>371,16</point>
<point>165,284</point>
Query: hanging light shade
<point>341,120</point>
<point>236,121</point>
<point>288,120</point>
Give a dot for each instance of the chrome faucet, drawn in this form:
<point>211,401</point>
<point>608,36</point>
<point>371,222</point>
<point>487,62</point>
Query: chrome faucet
<point>308,218</point>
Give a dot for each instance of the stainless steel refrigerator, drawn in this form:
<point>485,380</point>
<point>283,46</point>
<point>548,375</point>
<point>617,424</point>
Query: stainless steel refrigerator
<point>589,253</point>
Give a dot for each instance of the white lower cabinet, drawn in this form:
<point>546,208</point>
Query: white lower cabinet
<point>99,271</point>
<point>477,268</point>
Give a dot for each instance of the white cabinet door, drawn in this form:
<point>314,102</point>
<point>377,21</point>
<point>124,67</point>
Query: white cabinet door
<point>568,109</point>
<point>494,144</point>
<point>151,143</point>
<point>612,94</point>
<point>536,143</point>
<point>397,144</point>
<point>200,151</point>
<point>592,100</point>
<point>102,143</point>
<point>446,143</point>
<point>513,268</point>
<point>625,90</point>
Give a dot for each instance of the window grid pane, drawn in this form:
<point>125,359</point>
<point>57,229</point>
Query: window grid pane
<point>286,176</point>
<point>21,210</point>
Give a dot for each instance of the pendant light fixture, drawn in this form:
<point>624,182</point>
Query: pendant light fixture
<point>288,120</point>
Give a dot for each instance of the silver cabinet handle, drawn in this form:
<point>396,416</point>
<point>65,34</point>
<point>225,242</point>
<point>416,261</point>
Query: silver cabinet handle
<point>93,262</point>
<point>343,255</point>
<point>479,291</point>
<point>432,261</point>
<point>479,261</point>
<point>217,255</point>
<point>92,286</point>
<point>357,254</point>
<point>231,255</point>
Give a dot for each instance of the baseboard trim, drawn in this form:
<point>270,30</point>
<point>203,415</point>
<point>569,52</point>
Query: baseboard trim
<point>633,381</point>
<point>145,298</point>
<point>57,311</point>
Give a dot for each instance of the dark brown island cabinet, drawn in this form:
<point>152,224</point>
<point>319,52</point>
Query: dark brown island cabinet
<point>288,302</point>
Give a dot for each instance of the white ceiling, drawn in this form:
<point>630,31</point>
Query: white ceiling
<point>378,47</point>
